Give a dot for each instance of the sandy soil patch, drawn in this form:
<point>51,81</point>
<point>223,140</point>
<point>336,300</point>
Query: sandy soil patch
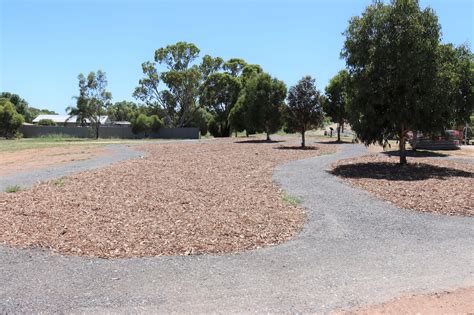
<point>427,185</point>
<point>183,198</point>
<point>31,159</point>
<point>460,301</point>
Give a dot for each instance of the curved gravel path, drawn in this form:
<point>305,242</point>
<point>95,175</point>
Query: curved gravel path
<point>354,250</point>
<point>118,152</point>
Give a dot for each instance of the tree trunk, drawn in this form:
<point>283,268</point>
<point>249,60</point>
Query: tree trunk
<point>97,130</point>
<point>268,136</point>
<point>403,154</point>
<point>338,132</point>
<point>302,138</point>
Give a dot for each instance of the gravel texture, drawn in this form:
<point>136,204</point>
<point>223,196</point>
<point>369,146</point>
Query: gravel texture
<point>181,199</point>
<point>27,160</point>
<point>428,185</point>
<point>116,153</point>
<point>354,250</point>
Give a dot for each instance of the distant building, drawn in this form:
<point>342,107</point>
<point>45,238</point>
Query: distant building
<point>66,120</point>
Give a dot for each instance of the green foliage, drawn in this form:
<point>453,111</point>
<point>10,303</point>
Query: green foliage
<point>146,124</point>
<point>20,105</point>
<point>455,84</point>
<point>201,119</point>
<point>12,189</point>
<point>304,110</point>
<point>93,98</point>
<point>46,122</point>
<point>10,119</point>
<point>337,98</point>
<point>292,200</point>
<point>262,103</point>
<point>391,52</point>
<point>123,111</point>
<point>181,77</point>
<point>219,94</point>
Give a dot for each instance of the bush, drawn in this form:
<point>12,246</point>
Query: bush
<point>144,123</point>
<point>155,123</point>
<point>10,120</point>
<point>46,122</point>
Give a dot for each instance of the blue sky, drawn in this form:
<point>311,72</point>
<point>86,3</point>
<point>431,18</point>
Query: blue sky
<point>45,44</point>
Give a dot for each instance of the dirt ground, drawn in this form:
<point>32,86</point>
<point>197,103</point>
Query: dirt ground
<point>182,198</point>
<point>31,159</point>
<point>425,184</point>
<point>460,301</point>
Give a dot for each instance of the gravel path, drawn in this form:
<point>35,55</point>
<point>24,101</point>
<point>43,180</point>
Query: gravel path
<point>26,179</point>
<point>354,250</point>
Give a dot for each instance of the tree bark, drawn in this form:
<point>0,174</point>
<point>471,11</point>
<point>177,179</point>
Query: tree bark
<point>401,145</point>
<point>97,131</point>
<point>339,132</point>
<point>268,136</point>
<point>302,138</point>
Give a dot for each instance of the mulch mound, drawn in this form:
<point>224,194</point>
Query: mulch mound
<point>181,199</point>
<point>427,185</point>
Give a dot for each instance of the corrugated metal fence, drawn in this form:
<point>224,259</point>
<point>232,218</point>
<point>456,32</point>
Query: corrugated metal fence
<point>107,132</point>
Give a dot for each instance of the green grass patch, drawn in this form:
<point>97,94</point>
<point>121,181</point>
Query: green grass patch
<point>60,181</point>
<point>12,189</point>
<point>292,200</point>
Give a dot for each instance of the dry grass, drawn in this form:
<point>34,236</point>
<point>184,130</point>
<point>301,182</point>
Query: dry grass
<point>427,185</point>
<point>183,198</point>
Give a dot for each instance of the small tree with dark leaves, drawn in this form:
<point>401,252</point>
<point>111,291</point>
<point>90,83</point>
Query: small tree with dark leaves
<point>304,111</point>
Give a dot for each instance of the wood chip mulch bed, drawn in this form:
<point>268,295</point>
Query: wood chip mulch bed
<point>425,184</point>
<point>181,199</point>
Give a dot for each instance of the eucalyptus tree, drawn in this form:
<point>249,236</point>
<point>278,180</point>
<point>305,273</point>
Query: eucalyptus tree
<point>262,101</point>
<point>182,77</point>
<point>92,101</point>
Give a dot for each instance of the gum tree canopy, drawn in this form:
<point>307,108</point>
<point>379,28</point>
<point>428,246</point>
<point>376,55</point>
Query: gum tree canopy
<point>391,51</point>
<point>93,99</point>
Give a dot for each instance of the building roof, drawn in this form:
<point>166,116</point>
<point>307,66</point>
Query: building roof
<point>60,119</point>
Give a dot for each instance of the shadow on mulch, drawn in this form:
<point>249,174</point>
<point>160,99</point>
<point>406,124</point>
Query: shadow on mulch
<point>333,142</point>
<point>415,154</point>
<point>259,141</point>
<point>296,148</point>
<point>395,172</point>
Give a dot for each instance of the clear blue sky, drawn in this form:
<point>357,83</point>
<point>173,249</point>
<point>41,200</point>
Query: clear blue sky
<point>45,44</point>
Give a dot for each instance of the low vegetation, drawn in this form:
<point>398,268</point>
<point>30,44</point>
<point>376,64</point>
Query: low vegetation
<point>12,189</point>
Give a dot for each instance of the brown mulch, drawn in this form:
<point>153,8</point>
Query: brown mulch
<point>427,185</point>
<point>181,199</point>
<point>460,301</point>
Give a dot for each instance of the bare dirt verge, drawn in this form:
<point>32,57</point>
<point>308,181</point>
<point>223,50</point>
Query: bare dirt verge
<point>32,159</point>
<point>182,198</point>
<point>460,301</point>
<point>427,185</point>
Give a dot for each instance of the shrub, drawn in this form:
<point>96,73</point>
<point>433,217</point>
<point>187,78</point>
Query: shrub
<point>46,122</point>
<point>10,120</point>
<point>12,189</point>
<point>144,123</point>
<point>155,123</point>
